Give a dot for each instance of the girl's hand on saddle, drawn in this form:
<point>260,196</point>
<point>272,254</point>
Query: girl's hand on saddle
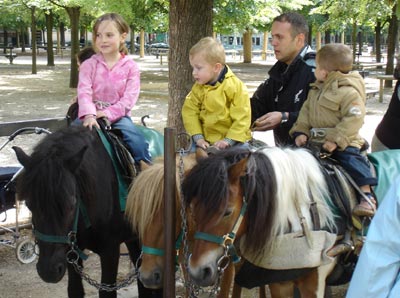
<point>100,114</point>
<point>90,121</point>
<point>329,146</point>
<point>301,140</point>
<point>202,144</point>
<point>267,122</point>
<point>221,144</point>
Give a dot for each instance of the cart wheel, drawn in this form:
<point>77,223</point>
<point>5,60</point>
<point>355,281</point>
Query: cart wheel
<point>25,250</point>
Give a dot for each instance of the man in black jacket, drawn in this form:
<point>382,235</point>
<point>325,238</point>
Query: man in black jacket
<point>277,102</point>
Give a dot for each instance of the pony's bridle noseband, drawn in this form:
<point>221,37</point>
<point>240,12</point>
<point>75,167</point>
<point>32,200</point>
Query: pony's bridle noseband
<point>226,241</point>
<point>161,252</point>
<point>74,253</point>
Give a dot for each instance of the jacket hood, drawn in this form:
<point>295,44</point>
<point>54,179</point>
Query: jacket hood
<point>338,79</point>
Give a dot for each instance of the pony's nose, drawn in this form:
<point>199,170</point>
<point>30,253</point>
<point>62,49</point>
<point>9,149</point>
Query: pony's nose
<point>158,277</point>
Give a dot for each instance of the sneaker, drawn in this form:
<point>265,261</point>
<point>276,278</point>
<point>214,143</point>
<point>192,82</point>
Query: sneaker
<point>365,208</point>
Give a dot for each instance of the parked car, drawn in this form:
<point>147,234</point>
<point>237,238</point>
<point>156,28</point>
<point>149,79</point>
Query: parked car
<point>157,48</point>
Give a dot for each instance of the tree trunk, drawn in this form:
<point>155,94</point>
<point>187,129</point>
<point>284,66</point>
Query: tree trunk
<point>247,46</point>
<point>184,14</point>
<point>354,40</point>
<point>392,36</point>
<point>317,40</point>
<point>142,43</point>
<point>74,14</point>
<point>62,34</point>
<point>33,42</point>
<point>49,26</point>
<point>265,46</point>
<point>377,45</point>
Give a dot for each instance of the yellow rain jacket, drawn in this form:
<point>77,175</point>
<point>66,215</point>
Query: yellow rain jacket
<point>218,111</point>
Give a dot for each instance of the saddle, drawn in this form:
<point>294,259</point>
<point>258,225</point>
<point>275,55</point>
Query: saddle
<point>122,156</point>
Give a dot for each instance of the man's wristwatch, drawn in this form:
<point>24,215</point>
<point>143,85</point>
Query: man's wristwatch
<point>284,117</point>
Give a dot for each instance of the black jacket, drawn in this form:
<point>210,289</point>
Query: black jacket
<point>388,131</point>
<point>285,90</point>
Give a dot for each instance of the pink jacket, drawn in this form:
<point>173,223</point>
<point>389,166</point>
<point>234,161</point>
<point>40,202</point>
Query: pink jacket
<point>114,91</point>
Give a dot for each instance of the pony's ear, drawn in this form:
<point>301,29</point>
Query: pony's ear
<point>237,170</point>
<point>22,157</point>
<point>74,161</point>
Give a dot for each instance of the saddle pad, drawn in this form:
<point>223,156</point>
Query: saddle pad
<point>292,251</point>
<point>387,167</point>
<point>155,139</point>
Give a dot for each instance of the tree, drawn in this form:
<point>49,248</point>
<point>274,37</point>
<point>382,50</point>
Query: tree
<point>184,14</point>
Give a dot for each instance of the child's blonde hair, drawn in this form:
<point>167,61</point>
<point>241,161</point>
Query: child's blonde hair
<point>211,48</point>
<point>335,57</point>
<point>120,24</point>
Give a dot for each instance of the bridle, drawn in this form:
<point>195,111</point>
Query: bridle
<point>71,238</point>
<point>160,252</point>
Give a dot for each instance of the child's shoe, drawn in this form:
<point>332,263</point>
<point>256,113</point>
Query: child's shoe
<point>366,207</point>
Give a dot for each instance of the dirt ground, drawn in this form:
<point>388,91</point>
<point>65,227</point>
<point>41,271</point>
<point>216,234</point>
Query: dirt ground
<point>25,96</point>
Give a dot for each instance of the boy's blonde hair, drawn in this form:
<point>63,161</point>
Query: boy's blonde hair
<point>120,24</point>
<point>211,48</point>
<point>335,57</point>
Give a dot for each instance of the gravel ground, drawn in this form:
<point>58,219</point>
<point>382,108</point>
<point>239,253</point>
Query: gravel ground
<point>25,96</point>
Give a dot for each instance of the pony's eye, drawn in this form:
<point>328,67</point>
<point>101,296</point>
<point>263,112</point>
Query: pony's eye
<point>228,212</point>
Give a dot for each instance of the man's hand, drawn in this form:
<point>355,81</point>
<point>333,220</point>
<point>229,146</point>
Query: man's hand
<point>301,140</point>
<point>329,146</point>
<point>268,121</point>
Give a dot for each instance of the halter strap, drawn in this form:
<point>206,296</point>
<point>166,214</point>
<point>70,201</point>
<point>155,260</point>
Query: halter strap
<point>228,239</point>
<point>161,252</point>
<point>71,237</point>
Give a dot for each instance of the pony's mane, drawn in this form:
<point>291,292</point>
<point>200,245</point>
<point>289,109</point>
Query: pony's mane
<point>299,177</point>
<point>208,180</point>
<point>48,184</point>
<point>146,194</point>
<point>145,198</point>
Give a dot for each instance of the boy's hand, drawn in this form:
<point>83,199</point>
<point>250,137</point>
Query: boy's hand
<point>222,144</point>
<point>202,143</point>
<point>329,146</point>
<point>301,140</point>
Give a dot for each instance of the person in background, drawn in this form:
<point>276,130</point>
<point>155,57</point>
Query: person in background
<point>216,112</point>
<point>109,84</point>
<point>387,134</point>
<point>276,102</point>
<point>335,108</point>
<point>82,56</point>
<point>377,273</point>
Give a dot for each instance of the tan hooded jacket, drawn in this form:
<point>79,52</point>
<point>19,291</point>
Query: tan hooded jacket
<point>338,106</point>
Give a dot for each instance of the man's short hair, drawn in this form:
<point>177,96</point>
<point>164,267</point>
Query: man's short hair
<point>298,22</point>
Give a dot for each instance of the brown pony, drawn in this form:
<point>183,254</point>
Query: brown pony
<point>144,209</point>
<point>251,195</point>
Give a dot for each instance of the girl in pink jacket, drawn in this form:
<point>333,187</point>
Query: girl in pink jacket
<point>109,84</point>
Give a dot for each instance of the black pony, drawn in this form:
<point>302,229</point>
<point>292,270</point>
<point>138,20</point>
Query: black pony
<point>70,186</point>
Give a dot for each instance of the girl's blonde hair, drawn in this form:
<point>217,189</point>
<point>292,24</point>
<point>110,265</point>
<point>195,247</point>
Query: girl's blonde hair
<point>335,57</point>
<point>121,25</point>
<point>211,48</point>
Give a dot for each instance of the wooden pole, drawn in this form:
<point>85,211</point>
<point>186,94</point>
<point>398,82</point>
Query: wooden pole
<point>169,211</point>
